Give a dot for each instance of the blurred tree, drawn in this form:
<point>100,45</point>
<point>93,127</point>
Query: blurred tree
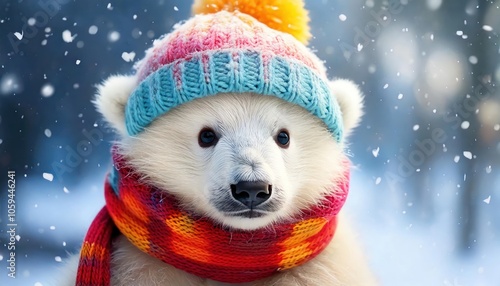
<point>482,88</point>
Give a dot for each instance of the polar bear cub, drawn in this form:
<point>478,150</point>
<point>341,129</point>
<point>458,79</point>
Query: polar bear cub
<point>198,149</point>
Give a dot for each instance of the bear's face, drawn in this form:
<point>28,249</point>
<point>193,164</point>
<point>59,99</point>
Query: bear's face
<point>244,160</point>
<point>211,152</point>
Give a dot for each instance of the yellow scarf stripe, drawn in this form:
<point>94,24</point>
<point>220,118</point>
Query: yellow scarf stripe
<point>297,247</point>
<point>186,240</point>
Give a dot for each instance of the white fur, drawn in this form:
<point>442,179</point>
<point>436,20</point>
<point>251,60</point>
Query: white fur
<point>350,100</point>
<point>111,98</point>
<point>168,155</point>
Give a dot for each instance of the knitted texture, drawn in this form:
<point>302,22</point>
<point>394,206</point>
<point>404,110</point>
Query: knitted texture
<point>153,221</point>
<point>229,52</point>
<point>94,268</point>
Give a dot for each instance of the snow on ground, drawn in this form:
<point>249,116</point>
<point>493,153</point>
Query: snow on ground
<point>52,221</point>
<point>405,251</point>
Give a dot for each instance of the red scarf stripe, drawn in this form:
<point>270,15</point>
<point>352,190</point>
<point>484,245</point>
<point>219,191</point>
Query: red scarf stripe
<point>95,252</point>
<point>91,268</point>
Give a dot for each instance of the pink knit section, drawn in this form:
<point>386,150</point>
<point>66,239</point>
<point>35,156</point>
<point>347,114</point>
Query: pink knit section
<point>225,31</point>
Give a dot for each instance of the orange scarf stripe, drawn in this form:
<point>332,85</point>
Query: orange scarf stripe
<point>153,221</point>
<point>132,226</point>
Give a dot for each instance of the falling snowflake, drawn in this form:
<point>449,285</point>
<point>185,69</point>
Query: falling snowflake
<point>465,125</point>
<point>342,17</point>
<point>488,169</point>
<point>48,176</point>
<point>360,47</point>
<point>473,60</point>
<point>67,37</point>
<point>487,28</point>
<point>47,90</point>
<point>128,57</point>
<point>487,200</point>
<point>468,155</point>
<point>18,35</point>
<point>113,36</point>
<point>375,152</point>
<point>93,30</point>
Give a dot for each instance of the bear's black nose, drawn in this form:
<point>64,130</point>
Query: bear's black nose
<point>251,194</point>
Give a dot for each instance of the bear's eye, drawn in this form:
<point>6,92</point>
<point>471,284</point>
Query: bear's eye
<point>283,138</point>
<point>207,138</point>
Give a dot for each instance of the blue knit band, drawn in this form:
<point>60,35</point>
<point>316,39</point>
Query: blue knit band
<point>231,71</point>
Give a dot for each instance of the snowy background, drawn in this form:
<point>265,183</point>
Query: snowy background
<point>425,192</point>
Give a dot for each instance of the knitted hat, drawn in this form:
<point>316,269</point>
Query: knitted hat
<point>229,46</point>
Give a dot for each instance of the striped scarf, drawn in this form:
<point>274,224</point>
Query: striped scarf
<point>153,221</point>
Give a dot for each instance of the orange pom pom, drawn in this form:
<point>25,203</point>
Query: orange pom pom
<point>288,16</point>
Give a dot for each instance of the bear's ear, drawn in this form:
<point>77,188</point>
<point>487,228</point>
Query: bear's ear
<point>111,98</point>
<point>350,100</point>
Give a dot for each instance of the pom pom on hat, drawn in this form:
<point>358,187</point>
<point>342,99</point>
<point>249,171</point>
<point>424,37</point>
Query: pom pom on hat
<point>287,16</point>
